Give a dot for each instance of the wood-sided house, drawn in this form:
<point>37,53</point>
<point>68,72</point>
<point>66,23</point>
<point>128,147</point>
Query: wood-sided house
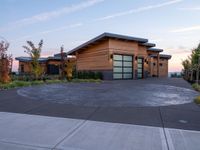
<point>121,57</point>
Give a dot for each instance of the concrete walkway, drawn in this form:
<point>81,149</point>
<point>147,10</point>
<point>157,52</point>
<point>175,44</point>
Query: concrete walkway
<point>31,132</point>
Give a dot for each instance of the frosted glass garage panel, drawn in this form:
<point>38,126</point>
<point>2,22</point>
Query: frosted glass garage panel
<point>117,63</point>
<point>128,76</point>
<point>128,70</point>
<point>117,76</point>
<point>128,64</point>
<point>128,58</point>
<point>139,60</point>
<point>140,65</point>
<point>116,69</point>
<point>139,75</point>
<point>117,57</point>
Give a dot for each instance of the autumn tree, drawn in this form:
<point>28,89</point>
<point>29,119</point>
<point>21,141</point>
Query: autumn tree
<point>67,66</point>
<point>191,65</point>
<point>5,62</point>
<point>35,53</point>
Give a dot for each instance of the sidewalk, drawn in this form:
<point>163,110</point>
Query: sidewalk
<point>28,132</point>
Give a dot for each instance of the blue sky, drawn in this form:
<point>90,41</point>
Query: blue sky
<point>173,25</point>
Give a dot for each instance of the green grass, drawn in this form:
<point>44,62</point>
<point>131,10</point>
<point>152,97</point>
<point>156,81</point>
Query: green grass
<point>197,100</point>
<point>196,86</point>
<point>15,84</point>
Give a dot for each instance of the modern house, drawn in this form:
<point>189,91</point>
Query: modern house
<point>115,56</point>
<point>50,65</point>
<point>121,57</point>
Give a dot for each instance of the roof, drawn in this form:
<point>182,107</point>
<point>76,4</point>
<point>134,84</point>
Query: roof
<point>155,49</point>
<point>162,56</point>
<point>59,54</point>
<point>108,35</point>
<point>27,59</point>
<point>148,44</point>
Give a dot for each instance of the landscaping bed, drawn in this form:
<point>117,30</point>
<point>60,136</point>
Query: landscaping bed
<point>18,83</point>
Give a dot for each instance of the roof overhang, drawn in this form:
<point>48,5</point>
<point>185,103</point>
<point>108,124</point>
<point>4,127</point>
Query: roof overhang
<point>162,56</point>
<point>106,36</point>
<point>155,49</point>
<point>28,59</point>
<point>148,44</point>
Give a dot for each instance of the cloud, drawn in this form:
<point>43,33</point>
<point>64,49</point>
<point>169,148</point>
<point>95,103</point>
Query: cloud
<point>76,25</point>
<point>191,8</point>
<point>62,28</point>
<point>186,29</point>
<point>50,15</point>
<point>141,9</point>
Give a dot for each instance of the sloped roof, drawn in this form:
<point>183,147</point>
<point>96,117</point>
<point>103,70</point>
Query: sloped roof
<point>108,35</point>
<point>162,56</point>
<point>27,59</point>
<point>155,49</point>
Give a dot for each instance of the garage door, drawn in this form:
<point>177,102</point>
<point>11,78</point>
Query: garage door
<point>122,67</point>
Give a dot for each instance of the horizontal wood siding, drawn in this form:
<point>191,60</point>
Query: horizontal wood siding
<point>123,47</point>
<point>95,57</point>
<point>163,72</point>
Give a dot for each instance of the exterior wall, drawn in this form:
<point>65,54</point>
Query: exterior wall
<point>27,68</point>
<point>163,72</point>
<point>95,57</point>
<point>126,48</point>
<point>163,67</point>
<point>142,52</point>
<point>98,57</point>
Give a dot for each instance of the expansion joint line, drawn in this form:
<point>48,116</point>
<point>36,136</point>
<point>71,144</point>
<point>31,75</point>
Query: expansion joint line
<point>77,128</point>
<point>163,126</point>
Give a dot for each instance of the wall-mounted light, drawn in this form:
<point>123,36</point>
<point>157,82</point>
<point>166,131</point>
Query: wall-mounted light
<point>136,57</point>
<point>111,56</point>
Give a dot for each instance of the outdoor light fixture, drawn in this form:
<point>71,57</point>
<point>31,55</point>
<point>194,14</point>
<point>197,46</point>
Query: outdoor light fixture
<point>111,56</point>
<point>136,57</point>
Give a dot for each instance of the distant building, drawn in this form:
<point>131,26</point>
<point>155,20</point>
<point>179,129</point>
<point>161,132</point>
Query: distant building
<point>50,65</point>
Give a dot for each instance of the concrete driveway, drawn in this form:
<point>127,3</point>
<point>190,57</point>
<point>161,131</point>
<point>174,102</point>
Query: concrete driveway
<point>31,121</point>
<point>112,93</point>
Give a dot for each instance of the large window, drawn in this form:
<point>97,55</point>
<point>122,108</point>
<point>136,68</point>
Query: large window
<point>122,67</point>
<point>52,69</point>
<point>22,68</point>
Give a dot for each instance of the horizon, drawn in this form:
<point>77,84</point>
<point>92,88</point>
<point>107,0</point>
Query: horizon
<point>170,24</point>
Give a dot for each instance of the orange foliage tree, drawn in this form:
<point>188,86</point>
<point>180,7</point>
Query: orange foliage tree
<point>5,62</point>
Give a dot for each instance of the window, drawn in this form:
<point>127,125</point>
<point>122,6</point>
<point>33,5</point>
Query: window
<point>22,68</point>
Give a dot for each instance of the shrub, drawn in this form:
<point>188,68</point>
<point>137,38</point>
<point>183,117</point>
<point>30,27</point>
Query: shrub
<point>89,75</point>
<point>196,86</point>
<point>197,100</point>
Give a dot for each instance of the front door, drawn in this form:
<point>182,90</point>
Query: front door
<point>140,68</point>
<point>122,67</point>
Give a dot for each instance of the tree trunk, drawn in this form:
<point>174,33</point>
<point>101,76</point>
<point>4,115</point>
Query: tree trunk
<point>197,73</point>
<point>191,76</point>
